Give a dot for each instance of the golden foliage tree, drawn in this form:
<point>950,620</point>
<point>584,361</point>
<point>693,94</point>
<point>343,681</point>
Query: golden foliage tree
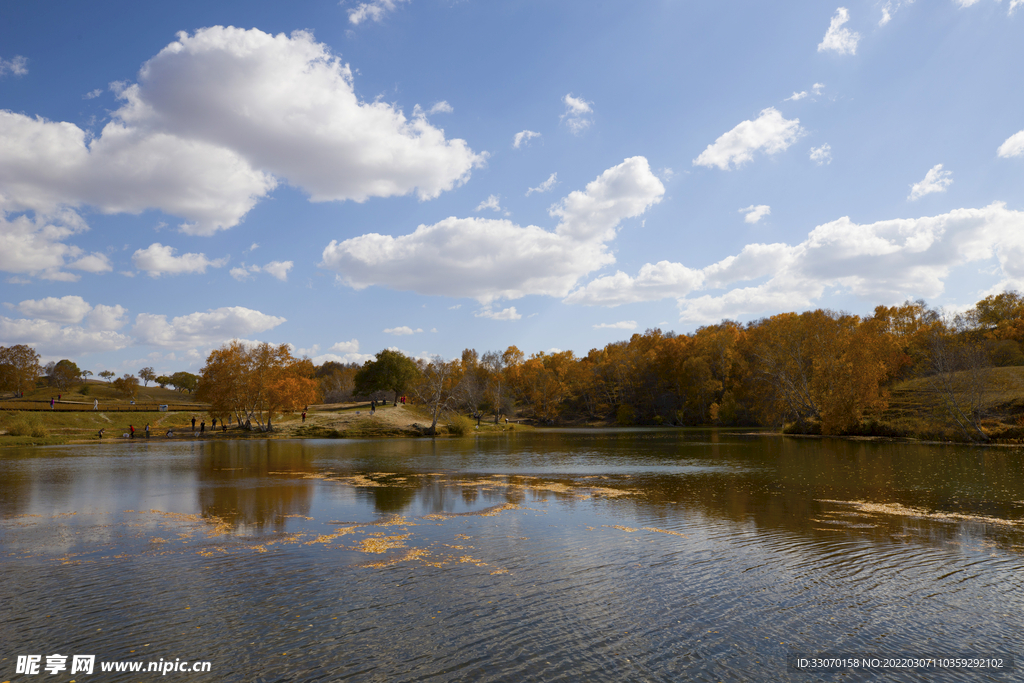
<point>254,382</point>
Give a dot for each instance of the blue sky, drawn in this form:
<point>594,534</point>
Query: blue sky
<point>433,175</point>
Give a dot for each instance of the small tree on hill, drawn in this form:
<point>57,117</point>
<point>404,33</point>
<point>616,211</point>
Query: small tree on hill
<point>127,386</point>
<point>64,374</point>
<point>147,375</point>
<point>107,375</point>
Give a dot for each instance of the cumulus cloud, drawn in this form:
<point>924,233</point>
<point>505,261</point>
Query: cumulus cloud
<point>504,314</point>
<point>346,346</point>
<point>838,39</point>
<point>769,132</point>
<point>936,180</point>
<point>441,107</point>
<point>755,213</point>
<point>1014,145</point>
<point>214,121</point>
<point>35,245</point>
<point>278,269</point>
<point>16,65</point>
<point>1014,4</point>
<point>523,137</point>
<point>157,259</point>
<point>545,186</point>
<point>402,331</point>
<point>796,96</point>
<point>67,309</point>
<point>489,259</point>
<point>492,202</point>
<point>54,326</point>
<point>887,261</point>
<point>623,325</point>
<point>577,111</point>
<point>212,327</point>
<point>372,11</point>
<point>654,281</point>
<point>822,155</point>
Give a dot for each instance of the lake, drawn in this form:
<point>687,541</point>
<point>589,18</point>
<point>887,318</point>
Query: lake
<point>561,555</point>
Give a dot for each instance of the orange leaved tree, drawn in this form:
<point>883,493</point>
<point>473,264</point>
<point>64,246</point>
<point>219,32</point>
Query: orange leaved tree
<point>252,382</point>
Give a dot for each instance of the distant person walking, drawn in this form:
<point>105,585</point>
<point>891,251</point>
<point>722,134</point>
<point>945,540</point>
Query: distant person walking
<point>147,430</point>
<point>131,430</point>
<point>101,433</point>
<point>51,403</point>
<point>95,404</point>
<point>214,424</point>
<point>202,427</point>
<point>303,417</point>
<point>193,423</point>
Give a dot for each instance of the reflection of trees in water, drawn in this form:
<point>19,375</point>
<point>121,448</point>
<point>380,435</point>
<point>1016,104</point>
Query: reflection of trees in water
<point>391,499</point>
<point>17,485</point>
<point>236,484</point>
<point>786,484</point>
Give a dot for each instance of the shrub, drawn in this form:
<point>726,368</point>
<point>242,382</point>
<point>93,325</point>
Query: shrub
<point>459,425</point>
<point>625,415</point>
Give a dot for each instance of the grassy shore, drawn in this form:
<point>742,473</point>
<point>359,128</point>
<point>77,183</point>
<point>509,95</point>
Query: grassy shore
<point>74,421</point>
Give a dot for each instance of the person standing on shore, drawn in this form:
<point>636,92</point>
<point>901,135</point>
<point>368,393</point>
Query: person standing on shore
<point>147,430</point>
<point>202,427</point>
<point>51,403</point>
<point>95,404</point>
<point>193,423</point>
<point>131,431</point>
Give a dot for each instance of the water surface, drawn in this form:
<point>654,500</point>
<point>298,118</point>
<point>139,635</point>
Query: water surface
<point>563,555</point>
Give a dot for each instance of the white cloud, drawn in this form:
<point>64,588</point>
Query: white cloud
<point>51,339</point>
<point>838,39</point>
<point>886,17</point>
<point>822,155</point>
<point>216,118</point>
<point>346,346</point>
<point>345,358</point>
<point>936,180</point>
<point>817,88</point>
<point>441,107</point>
<point>883,262</point>
<point>36,245</point>
<point>157,259</point>
<point>755,213</point>
<point>372,11</point>
<point>213,327</point>
<point>624,325</point>
<point>966,3</point>
<point>545,186</point>
<point>16,65</point>
<point>67,309</point>
<point>654,281</point>
<point>504,314</point>
<point>54,326</point>
<point>92,94</point>
<point>402,331</point>
<point>107,317</point>
<point>769,132</point>
<point>796,96</point>
<point>1014,145</point>
<point>1014,4</point>
<point>244,272</point>
<point>489,259</point>
<point>492,202</point>
<point>278,269</point>
<point>576,111</point>
<point>523,137</point>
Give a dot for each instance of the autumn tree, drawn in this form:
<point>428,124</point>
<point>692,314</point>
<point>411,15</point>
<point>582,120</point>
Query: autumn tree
<point>162,381</point>
<point>107,374</point>
<point>389,371</point>
<point>957,376</point>
<point>64,374</point>
<point>127,385</point>
<point>184,381</point>
<point>437,386</point>
<point>147,375</point>
<point>19,367</point>
<point>254,382</point>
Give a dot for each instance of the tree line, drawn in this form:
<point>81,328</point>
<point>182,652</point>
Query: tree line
<point>820,371</point>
